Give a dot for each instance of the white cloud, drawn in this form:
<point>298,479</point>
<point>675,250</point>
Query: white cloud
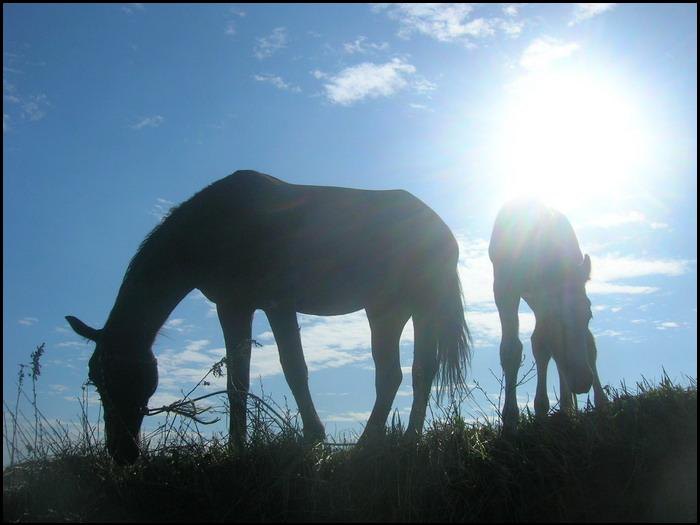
<point>606,268</point>
<point>450,22</point>
<point>354,417</point>
<point>667,325</point>
<point>277,82</point>
<point>611,220</point>
<point>444,22</point>
<point>71,344</point>
<point>360,45</point>
<point>586,11</point>
<point>196,346</point>
<point>5,122</point>
<point>28,321</point>
<point>369,80</point>
<point>270,44</point>
<point>151,122</point>
<point>511,28</point>
<point>510,9</point>
<point>178,325</point>
<point>544,51</point>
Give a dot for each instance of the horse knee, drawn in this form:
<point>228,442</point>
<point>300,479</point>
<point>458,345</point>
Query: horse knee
<point>391,379</point>
<point>511,353</point>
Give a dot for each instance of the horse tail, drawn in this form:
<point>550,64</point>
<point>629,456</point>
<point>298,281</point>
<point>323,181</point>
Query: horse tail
<point>454,342</point>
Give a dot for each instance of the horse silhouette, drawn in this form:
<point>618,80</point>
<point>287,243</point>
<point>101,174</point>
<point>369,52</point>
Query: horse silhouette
<point>250,241</point>
<point>536,256</point>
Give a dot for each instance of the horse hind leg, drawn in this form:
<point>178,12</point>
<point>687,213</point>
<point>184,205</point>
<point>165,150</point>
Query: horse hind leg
<point>283,322</point>
<point>386,328</point>
<point>236,322</point>
<point>424,369</point>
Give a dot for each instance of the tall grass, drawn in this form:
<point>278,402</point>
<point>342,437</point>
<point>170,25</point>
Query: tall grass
<point>635,460</point>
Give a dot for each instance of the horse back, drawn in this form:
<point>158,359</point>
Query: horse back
<point>533,246</point>
<point>329,248</point>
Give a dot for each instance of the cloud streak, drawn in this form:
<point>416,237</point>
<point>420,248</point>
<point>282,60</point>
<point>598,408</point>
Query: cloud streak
<point>450,22</point>
<point>269,45</point>
<point>277,82</point>
<point>544,51</point>
<point>586,11</point>
<point>149,122</point>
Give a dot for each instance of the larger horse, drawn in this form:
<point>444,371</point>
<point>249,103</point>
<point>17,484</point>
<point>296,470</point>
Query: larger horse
<point>536,256</point>
<point>250,241</point>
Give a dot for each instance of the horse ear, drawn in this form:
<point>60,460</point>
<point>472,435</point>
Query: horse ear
<point>82,329</point>
<point>586,267</point>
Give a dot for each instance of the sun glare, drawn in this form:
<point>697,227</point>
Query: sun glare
<point>569,139</point>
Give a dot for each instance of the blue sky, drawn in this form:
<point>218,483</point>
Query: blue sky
<point>113,113</point>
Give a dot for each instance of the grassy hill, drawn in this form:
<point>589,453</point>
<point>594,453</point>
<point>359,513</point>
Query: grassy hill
<point>636,460</point>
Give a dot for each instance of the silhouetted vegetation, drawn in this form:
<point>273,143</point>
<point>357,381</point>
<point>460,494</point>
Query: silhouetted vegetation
<point>634,460</point>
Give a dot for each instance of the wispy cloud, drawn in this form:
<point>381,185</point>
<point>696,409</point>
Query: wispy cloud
<point>30,107</point>
<point>130,9</point>
<point>362,46</point>
<point>608,270</point>
<point>230,23</point>
<point>197,295</point>
<point>370,80</point>
<point>5,122</point>
<point>72,344</point>
<point>511,9</point>
<point>28,321</point>
<point>668,325</point>
<point>354,417</point>
<point>151,122</point>
<point>612,220</point>
<point>451,22</point>
<point>161,208</point>
<point>585,11</point>
<point>444,22</point>
<point>277,82</point>
<point>544,51</point>
<point>614,267</point>
<point>268,45</point>
<point>178,325</point>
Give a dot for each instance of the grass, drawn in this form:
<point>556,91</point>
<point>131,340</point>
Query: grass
<point>635,460</point>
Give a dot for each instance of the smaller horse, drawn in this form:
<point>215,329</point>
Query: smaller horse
<point>536,256</point>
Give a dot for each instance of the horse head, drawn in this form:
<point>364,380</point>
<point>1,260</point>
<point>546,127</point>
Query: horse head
<point>572,352</point>
<point>125,381</point>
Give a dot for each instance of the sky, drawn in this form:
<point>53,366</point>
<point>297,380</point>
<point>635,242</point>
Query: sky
<point>113,113</point>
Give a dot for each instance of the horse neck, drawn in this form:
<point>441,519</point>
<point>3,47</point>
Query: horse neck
<point>143,304</point>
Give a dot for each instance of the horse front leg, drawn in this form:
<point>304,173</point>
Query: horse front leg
<point>542,355</point>
<point>511,351</point>
<point>599,396</point>
<point>567,400</point>
<point>236,322</point>
<point>283,322</point>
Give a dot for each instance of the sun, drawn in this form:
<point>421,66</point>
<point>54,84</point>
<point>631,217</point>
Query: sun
<point>569,138</point>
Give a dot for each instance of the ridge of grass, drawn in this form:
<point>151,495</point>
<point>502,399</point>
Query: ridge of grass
<point>633,460</point>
